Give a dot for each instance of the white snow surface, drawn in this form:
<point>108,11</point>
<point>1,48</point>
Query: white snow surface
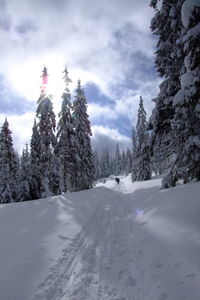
<point>187,10</point>
<point>130,241</point>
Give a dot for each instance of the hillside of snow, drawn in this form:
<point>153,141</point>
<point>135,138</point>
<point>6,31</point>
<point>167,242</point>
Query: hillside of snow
<point>114,242</point>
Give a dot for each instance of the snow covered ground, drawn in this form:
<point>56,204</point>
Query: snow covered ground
<point>130,241</point>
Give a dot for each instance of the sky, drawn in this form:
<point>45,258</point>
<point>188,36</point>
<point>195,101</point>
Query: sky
<point>107,44</point>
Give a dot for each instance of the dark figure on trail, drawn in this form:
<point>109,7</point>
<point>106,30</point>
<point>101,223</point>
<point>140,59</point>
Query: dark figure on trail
<point>117,180</point>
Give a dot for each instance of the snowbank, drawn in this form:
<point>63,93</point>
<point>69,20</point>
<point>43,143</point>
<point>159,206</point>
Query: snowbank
<point>126,241</point>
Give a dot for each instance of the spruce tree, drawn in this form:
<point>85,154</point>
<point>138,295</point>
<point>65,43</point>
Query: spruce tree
<point>112,165</point>
<point>97,168</point>
<point>187,101</point>
<point>67,145</point>
<point>85,167</point>
<point>134,157</point>
<point>25,176</point>
<point>118,167</point>
<point>167,26</point>
<point>8,166</point>
<point>35,153</point>
<point>143,165</point>
<point>105,163</point>
<point>123,162</point>
<point>128,168</point>
<point>46,127</point>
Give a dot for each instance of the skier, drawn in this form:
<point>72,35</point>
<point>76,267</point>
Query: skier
<point>117,180</point>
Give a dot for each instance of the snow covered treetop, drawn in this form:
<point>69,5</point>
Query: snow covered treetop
<point>187,9</point>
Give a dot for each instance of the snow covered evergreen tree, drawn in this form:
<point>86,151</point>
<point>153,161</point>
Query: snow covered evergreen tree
<point>97,168</point>
<point>128,168</point>
<point>67,145</point>
<point>143,164</point>
<point>35,152</point>
<point>105,164</point>
<point>8,166</point>
<point>25,176</point>
<point>118,168</point>
<point>112,165</point>
<point>167,25</point>
<point>123,161</point>
<point>187,101</point>
<point>46,126</point>
<point>134,157</point>
<point>85,168</point>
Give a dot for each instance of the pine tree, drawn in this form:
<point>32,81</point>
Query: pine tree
<point>97,169</point>
<point>112,165</point>
<point>167,25</point>
<point>67,146</point>
<point>25,176</point>
<point>46,127</point>
<point>134,156</point>
<point>187,101</point>
<point>123,161</point>
<point>35,153</point>
<point>118,168</point>
<point>143,166</point>
<point>8,166</point>
<point>128,168</point>
<point>85,167</point>
<point>105,164</point>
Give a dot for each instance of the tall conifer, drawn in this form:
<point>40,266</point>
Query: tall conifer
<point>67,145</point>
<point>143,165</point>
<point>85,168</point>
<point>8,166</point>
<point>46,127</point>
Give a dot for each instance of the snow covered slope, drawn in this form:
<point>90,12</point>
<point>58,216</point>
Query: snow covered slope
<point>127,241</point>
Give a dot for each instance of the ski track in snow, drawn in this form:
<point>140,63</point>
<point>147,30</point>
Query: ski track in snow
<point>100,259</point>
<point>114,258</point>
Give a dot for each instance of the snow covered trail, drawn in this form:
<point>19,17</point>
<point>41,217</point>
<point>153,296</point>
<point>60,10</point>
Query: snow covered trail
<point>97,264</point>
<point>119,255</point>
<point>126,242</point>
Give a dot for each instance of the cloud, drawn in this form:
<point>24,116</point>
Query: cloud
<point>107,44</point>
<point>122,112</point>
<point>101,113</point>
<point>96,39</point>
<point>21,127</point>
<point>26,26</point>
<point>104,137</point>
<point>11,103</point>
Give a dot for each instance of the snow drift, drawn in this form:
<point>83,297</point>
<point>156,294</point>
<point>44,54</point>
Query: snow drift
<point>126,241</point>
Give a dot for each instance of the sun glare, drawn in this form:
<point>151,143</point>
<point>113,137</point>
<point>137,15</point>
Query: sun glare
<point>25,78</point>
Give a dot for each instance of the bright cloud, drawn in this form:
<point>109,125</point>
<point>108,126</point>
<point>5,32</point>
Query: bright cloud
<point>106,43</point>
<point>21,127</point>
<point>104,137</point>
